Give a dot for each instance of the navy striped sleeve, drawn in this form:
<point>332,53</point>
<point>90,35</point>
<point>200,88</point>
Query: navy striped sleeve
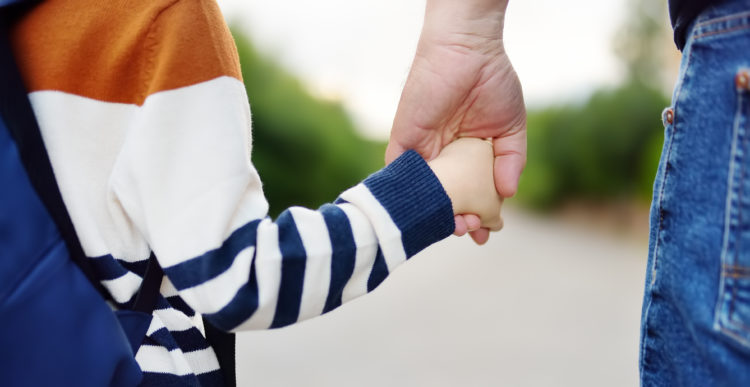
<point>312,261</point>
<point>342,259</point>
<point>293,263</point>
<point>415,199</point>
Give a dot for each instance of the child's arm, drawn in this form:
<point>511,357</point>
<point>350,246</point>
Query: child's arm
<point>183,182</point>
<point>266,273</point>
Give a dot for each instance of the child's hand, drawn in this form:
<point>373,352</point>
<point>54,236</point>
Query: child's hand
<point>464,168</point>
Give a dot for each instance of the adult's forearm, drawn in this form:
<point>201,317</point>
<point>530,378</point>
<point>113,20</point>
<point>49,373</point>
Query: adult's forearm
<point>465,18</point>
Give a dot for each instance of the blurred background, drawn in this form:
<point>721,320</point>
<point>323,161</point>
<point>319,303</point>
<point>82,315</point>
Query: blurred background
<point>553,299</point>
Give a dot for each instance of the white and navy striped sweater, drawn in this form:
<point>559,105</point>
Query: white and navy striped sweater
<point>147,124</point>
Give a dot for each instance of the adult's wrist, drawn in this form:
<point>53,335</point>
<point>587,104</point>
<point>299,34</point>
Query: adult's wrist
<point>465,21</point>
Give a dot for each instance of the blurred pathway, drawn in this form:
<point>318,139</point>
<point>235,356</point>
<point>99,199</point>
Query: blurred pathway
<point>544,303</point>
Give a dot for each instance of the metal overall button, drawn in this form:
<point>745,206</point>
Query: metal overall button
<point>667,116</point>
<point>742,79</point>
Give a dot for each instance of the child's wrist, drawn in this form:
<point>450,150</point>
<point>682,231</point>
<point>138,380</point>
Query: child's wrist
<point>452,179</point>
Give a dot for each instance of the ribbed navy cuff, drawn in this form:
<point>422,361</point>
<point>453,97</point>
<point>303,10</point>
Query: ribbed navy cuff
<point>415,199</point>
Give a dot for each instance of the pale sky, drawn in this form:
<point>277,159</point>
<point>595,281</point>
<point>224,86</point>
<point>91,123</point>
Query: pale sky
<point>359,51</point>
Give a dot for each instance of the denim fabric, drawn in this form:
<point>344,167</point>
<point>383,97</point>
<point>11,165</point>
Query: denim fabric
<point>695,328</point>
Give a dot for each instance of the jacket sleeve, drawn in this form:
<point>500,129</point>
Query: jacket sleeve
<point>185,180</point>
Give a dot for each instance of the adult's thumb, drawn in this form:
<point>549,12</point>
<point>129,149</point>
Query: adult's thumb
<point>510,160</point>
<point>392,151</point>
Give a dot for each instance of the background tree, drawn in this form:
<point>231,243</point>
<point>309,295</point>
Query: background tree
<point>608,146</point>
<point>644,43</point>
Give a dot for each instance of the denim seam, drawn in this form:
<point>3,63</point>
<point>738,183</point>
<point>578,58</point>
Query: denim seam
<point>736,275</point>
<point>722,31</point>
<point>718,324</point>
<point>657,235</point>
<point>704,23</point>
<point>704,27</point>
<point>668,156</point>
<point>734,336</point>
<point>722,322</point>
<point>740,193</point>
<point>645,337</point>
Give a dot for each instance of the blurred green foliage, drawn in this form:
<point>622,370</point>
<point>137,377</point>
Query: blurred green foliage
<point>607,147</point>
<point>306,149</point>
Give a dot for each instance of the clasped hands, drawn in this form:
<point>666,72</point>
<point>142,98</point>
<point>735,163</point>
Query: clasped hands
<point>462,85</point>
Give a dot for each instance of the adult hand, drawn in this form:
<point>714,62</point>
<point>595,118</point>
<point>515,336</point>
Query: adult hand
<point>462,84</point>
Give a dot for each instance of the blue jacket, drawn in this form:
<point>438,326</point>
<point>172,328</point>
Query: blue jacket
<point>55,328</point>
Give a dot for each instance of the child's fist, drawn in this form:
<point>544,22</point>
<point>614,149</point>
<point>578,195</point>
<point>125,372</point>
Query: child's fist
<point>464,168</point>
